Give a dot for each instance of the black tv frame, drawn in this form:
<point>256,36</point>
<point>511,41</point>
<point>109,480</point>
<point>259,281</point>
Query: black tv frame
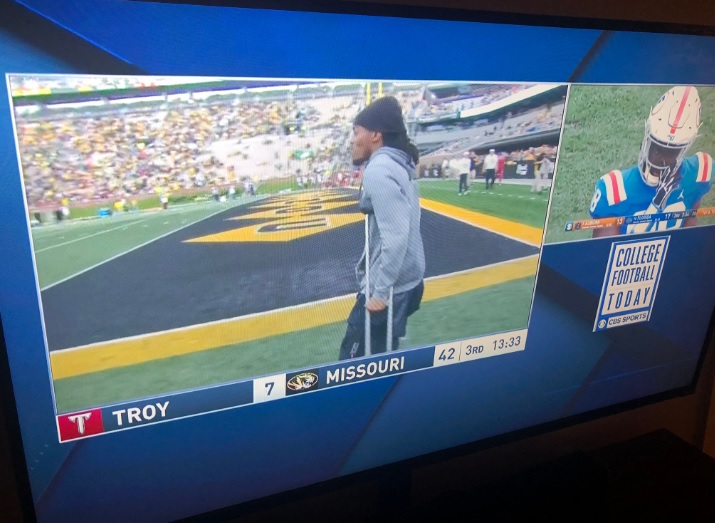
<point>393,479</point>
<point>17,496</point>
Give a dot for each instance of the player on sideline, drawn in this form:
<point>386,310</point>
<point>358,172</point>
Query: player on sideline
<point>489,167</point>
<point>462,166</point>
<point>665,180</point>
<point>390,199</point>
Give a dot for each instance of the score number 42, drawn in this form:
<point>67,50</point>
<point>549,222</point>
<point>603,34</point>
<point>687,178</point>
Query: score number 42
<point>447,354</point>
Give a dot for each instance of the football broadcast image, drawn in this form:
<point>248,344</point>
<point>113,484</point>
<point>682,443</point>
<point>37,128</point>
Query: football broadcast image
<point>635,159</point>
<point>195,232</point>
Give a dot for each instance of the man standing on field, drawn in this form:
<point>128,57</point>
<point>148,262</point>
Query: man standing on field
<point>390,199</point>
<point>489,167</point>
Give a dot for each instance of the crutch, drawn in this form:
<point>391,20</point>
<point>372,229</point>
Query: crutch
<point>368,350</point>
<point>368,338</point>
<point>389,322</point>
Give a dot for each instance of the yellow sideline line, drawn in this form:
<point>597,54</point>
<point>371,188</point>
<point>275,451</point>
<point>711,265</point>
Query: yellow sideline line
<point>525,233</point>
<point>150,347</point>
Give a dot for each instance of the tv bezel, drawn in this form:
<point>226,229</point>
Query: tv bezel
<point>23,22</point>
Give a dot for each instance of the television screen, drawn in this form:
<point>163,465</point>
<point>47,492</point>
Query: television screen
<point>247,256</point>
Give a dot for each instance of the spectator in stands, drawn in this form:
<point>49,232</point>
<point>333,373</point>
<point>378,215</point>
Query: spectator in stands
<point>90,156</point>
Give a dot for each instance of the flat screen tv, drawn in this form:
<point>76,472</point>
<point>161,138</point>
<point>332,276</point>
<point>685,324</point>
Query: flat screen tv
<point>183,213</point>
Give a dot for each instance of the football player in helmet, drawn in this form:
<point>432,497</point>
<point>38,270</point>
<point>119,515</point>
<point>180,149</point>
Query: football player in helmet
<point>665,180</point>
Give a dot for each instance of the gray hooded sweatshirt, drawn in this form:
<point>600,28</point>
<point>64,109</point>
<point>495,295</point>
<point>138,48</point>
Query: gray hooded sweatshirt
<point>390,198</point>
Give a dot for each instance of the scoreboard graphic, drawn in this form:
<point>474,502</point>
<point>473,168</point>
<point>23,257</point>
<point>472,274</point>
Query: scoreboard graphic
<point>94,422</point>
<point>650,222</point>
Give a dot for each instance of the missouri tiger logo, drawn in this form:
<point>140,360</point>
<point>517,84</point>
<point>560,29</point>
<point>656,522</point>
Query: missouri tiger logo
<point>302,382</point>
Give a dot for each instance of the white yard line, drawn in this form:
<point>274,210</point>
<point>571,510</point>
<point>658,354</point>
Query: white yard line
<point>90,236</point>
<point>130,250</point>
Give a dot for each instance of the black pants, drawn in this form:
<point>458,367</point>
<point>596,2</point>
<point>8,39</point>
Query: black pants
<point>489,173</point>
<point>404,305</point>
<point>463,182</point>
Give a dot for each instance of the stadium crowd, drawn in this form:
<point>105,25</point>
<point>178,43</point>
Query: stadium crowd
<point>32,85</point>
<point>144,150</point>
<point>88,154</point>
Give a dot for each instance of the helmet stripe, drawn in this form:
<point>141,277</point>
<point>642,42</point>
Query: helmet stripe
<point>681,109</point>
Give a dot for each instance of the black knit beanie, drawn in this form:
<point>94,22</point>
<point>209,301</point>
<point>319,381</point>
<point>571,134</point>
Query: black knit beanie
<point>383,115</point>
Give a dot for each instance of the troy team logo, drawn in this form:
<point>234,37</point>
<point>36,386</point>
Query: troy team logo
<point>79,419</point>
<point>80,424</point>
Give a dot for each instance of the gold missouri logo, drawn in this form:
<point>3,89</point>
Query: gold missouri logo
<point>286,218</point>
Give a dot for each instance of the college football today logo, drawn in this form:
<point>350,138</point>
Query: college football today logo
<point>302,382</point>
<point>631,282</point>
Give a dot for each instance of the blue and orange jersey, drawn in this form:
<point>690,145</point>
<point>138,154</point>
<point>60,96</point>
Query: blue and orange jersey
<point>624,193</point>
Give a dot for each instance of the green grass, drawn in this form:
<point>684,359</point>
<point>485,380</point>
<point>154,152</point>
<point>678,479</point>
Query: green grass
<point>64,250</point>
<point>93,210</point>
<point>466,315</point>
<point>152,202</point>
<point>475,313</point>
<point>274,186</point>
<point>512,202</point>
<point>603,131</point>
<point>144,203</point>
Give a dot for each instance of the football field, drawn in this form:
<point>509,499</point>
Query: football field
<point>143,304</point>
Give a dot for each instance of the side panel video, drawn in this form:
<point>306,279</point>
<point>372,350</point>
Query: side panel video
<point>635,159</point>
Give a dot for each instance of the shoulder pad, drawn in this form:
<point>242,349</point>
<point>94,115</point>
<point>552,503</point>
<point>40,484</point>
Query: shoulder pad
<point>615,188</point>
<point>705,167</point>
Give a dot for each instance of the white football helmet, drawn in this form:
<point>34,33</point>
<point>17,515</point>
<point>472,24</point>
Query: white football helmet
<point>670,130</point>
